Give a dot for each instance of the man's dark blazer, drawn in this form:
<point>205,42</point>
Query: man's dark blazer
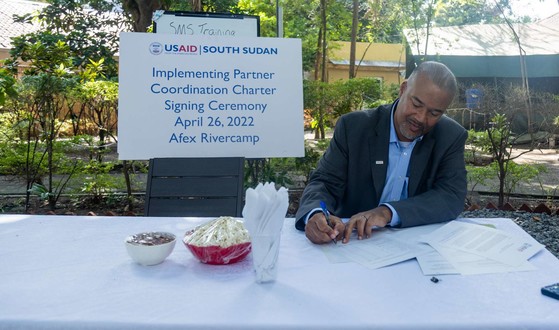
<point>351,174</point>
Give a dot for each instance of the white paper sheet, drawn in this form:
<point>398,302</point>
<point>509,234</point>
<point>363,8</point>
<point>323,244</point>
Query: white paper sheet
<point>371,253</point>
<point>483,241</point>
<point>449,250</point>
<point>433,263</point>
<point>385,247</point>
<point>472,264</point>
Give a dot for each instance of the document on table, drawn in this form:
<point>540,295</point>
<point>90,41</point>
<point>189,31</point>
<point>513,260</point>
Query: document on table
<point>433,263</point>
<point>385,247</point>
<point>474,249</point>
<point>449,248</point>
<point>451,261</point>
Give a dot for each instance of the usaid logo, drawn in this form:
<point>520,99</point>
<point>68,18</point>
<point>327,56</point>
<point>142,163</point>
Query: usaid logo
<point>155,48</point>
<point>181,49</point>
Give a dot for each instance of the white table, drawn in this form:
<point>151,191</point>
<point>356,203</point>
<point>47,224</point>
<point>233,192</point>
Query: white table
<point>69,272</point>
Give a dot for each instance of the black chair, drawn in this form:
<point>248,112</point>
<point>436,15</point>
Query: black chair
<point>197,187</point>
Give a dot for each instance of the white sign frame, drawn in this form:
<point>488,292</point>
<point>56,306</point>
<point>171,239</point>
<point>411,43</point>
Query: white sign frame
<point>262,95</point>
<point>206,24</point>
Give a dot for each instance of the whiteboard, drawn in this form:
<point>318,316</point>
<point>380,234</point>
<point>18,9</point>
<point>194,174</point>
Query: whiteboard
<point>206,24</point>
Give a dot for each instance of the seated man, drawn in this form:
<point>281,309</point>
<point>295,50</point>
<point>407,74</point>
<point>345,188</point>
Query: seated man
<point>400,164</point>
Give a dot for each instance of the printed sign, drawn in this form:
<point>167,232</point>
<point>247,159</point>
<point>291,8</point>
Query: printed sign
<point>209,97</point>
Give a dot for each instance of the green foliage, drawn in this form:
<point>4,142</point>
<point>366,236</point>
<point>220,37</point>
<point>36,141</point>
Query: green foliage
<point>98,181</point>
<point>88,143</point>
<point>327,101</point>
<point>15,160</point>
<point>44,52</point>
<point>307,164</point>
<point>267,170</point>
<point>517,173</point>
<point>283,171</point>
<point>93,70</point>
<point>101,91</point>
<point>465,12</point>
<point>549,189</point>
<point>266,11</point>
<point>352,94</point>
<point>479,139</point>
<point>479,144</point>
<point>7,82</point>
<point>497,140</point>
<point>89,28</point>
<point>388,94</point>
<point>41,191</point>
<point>71,60</point>
<point>7,122</point>
<point>479,175</point>
<point>76,44</point>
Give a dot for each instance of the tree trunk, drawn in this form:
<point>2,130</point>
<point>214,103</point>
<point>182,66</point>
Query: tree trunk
<point>320,132</point>
<point>196,5</point>
<point>141,12</point>
<point>354,27</point>
<point>126,172</point>
<point>502,176</point>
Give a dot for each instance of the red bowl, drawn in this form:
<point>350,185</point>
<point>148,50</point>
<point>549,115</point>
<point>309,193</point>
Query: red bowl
<point>217,255</point>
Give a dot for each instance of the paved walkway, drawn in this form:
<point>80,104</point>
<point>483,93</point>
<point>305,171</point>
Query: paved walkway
<point>546,184</point>
<point>13,186</point>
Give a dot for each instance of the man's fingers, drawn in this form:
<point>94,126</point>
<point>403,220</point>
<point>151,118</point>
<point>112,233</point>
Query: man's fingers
<point>361,227</point>
<point>358,222</point>
<point>318,231</point>
<point>348,230</point>
<point>317,237</point>
<point>339,227</point>
<point>368,230</point>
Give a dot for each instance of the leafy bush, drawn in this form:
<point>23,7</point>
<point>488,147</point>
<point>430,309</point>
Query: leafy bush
<point>97,180</point>
<point>328,101</point>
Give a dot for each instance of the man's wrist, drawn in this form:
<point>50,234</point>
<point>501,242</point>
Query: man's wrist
<point>311,213</point>
<point>386,214</point>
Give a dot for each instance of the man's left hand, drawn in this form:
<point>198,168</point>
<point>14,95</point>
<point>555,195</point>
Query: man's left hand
<point>364,222</point>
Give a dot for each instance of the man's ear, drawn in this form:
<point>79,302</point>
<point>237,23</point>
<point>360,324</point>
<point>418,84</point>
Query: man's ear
<point>403,87</point>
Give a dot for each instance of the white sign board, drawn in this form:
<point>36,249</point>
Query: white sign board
<point>211,24</point>
<point>209,97</point>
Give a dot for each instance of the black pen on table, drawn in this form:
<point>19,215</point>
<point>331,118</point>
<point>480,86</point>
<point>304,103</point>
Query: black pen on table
<point>327,215</point>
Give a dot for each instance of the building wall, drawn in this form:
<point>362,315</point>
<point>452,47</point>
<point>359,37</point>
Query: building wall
<point>374,60</point>
<point>373,51</point>
<point>387,75</point>
<point>4,54</point>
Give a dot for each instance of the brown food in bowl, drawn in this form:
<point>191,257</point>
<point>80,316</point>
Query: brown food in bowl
<point>151,238</point>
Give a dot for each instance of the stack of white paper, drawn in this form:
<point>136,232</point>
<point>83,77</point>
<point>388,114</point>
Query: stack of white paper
<point>456,247</point>
<point>477,249</point>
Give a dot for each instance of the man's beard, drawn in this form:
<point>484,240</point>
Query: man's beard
<point>408,133</point>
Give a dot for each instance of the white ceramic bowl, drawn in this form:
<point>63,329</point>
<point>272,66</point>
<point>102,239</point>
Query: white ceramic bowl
<point>150,248</point>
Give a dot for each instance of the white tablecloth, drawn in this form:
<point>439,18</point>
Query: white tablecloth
<point>68,272</point>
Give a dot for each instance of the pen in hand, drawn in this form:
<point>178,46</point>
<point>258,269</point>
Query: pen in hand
<point>327,215</point>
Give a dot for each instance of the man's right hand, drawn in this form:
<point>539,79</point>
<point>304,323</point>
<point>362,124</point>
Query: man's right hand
<point>318,231</point>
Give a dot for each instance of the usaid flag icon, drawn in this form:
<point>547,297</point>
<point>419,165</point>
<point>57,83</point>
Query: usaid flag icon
<point>155,48</point>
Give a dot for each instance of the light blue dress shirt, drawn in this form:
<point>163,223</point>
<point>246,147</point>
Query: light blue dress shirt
<point>397,175</point>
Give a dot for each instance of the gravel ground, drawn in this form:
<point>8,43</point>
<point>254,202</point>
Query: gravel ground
<point>542,227</point>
